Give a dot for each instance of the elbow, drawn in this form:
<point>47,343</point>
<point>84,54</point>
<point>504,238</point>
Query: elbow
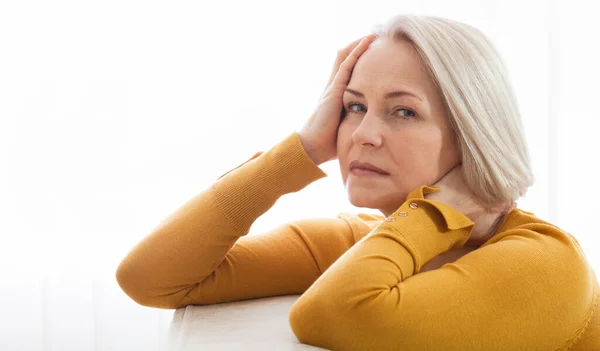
<point>300,323</point>
<point>326,321</point>
<point>130,284</point>
<point>309,322</point>
<point>135,286</point>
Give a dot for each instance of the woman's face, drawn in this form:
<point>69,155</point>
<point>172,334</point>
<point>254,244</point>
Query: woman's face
<point>407,136</point>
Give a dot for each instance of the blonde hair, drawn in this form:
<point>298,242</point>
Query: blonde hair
<point>473,82</point>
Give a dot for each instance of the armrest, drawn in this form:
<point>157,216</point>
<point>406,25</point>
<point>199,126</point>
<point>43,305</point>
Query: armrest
<point>256,324</point>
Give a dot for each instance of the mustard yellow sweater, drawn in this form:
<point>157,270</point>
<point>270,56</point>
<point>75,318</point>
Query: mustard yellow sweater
<point>529,287</point>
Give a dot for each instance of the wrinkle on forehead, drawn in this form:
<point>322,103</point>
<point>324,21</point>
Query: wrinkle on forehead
<point>389,65</point>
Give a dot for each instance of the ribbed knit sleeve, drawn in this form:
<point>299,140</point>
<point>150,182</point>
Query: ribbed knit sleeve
<point>200,254</point>
<point>244,194</point>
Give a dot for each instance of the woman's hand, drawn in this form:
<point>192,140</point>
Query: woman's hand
<point>455,193</point>
<point>319,134</point>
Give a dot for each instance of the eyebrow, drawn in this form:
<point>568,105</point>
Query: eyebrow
<point>387,96</point>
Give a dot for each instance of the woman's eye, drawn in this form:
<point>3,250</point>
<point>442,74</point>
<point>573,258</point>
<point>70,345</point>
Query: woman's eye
<point>410,112</point>
<point>352,105</point>
<point>405,109</point>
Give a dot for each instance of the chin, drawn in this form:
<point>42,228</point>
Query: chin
<point>366,199</point>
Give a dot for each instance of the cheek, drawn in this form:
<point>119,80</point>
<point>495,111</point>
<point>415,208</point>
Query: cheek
<point>419,151</point>
<point>425,140</point>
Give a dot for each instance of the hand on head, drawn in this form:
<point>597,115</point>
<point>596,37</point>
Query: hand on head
<point>319,134</point>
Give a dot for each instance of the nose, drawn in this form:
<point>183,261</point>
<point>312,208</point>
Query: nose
<point>368,132</point>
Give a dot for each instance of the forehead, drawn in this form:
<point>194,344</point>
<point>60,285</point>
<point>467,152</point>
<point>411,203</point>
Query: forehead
<point>388,64</point>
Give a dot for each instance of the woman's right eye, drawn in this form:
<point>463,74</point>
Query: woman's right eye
<point>352,104</point>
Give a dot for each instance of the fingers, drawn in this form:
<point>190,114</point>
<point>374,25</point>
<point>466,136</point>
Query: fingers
<point>342,55</point>
<point>351,46</point>
<point>342,77</point>
<point>345,51</point>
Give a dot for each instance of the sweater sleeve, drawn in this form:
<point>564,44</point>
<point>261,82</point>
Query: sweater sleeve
<point>532,289</point>
<point>200,254</point>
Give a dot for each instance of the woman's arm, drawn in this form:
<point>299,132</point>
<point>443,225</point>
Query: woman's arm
<point>530,288</point>
<point>199,254</point>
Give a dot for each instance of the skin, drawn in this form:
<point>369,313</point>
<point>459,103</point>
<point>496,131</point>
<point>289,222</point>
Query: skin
<point>409,137</point>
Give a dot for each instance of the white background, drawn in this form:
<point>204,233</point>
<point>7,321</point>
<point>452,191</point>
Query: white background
<point>115,113</point>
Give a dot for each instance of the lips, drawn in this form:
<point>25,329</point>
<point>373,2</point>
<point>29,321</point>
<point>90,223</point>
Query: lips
<point>367,166</point>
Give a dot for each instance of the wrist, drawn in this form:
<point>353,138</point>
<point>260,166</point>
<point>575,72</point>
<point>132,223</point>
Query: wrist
<point>310,152</point>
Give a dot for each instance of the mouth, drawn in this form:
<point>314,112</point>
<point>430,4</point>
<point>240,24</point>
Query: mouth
<point>363,172</point>
<point>365,168</point>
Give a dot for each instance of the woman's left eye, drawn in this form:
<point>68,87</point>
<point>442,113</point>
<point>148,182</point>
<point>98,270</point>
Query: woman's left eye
<point>405,109</point>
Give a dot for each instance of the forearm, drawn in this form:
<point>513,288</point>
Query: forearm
<point>190,244</point>
<point>245,194</point>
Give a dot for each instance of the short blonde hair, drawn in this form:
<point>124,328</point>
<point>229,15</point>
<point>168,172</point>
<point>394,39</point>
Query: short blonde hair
<point>473,82</point>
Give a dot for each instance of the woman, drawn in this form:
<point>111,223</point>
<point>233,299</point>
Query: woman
<point>426,129</point>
